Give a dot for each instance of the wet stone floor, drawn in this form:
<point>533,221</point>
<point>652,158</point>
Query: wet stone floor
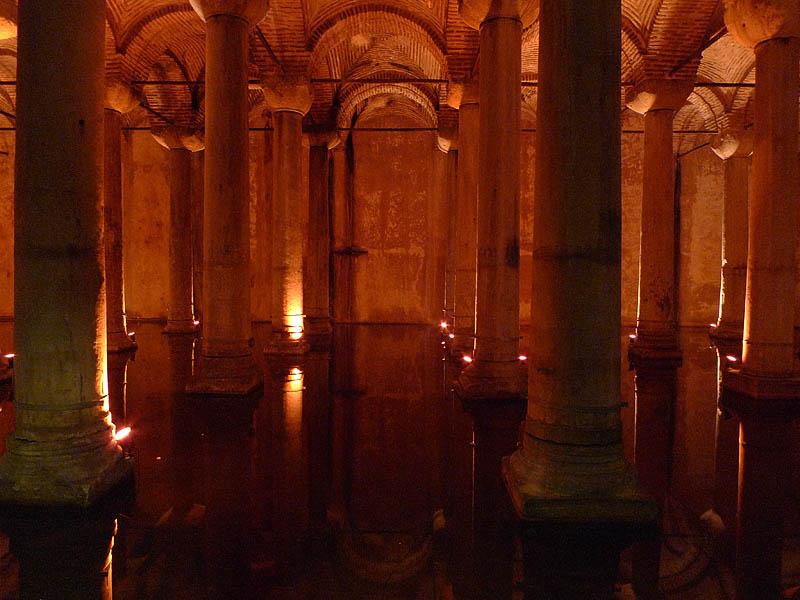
<point>353,475</point>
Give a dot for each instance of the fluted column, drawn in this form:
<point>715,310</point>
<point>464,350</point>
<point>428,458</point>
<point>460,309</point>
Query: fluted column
<point>734,147</point>
<point>495,371</point>
<point>569,483</point>
<point>765,392</point>
<point>63,450</point>
<point>119,100</point>
<point>180,142</point>
<point>319,238</point>
<point>654,352</point>
<point>289,98</point>
<point>465,98</point>
<point>225,364</point>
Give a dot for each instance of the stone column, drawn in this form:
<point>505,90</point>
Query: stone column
<point>569,482</point>
<point>225,364</point>
<point>119,100</point>
<point>63,450</point>
<point>765,392</point>
<point>180,142</point>
<point>495,371</point>
<point>449,143</point>
<point>464,97</point>
<point>197,233</point>
<point>654,352</point>
<point>734,147</point>
<point>317,278</point>
<point>289,98</point>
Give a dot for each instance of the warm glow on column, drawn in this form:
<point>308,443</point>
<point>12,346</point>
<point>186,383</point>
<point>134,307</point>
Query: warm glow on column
<point>293,397</point>
<point>294,325</point>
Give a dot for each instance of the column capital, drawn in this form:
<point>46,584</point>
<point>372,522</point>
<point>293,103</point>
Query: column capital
<point>733,143</point>
<point>252,11</point>
<point>475,12</point>
<point>323,137</point>
<point>178,138</point>
<point>658,94</point>
<point>754,21</point>
<point>120,97</point>
<point>447,138</point>
<point>288,93</point>
<point>462,92</point>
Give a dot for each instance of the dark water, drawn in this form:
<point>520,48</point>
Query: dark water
<point>350,476</point>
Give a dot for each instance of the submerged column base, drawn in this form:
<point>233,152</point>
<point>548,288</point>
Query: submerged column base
<point>578,509</point>
<point>283,343</point>
<point>75,474</point>
<point>225,376</point>
<point>487,380</point>
<point>120,341</point>
<point>182,326</point>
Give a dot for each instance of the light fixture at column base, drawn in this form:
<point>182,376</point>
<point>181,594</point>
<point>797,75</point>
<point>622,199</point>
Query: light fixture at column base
<point>120,341</point>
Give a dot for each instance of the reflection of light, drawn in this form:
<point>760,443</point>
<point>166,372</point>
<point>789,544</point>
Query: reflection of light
<point>443,324</point>
<point>467,359</point>
<point>122,433</point>
<point>731,358</point>
<point>294,381</point>
<point>523,357</point>
<point>632,336</point>
<point>296,335</point>
<point>196,322</point>
<point>452,335</point>
<point>712,325</point>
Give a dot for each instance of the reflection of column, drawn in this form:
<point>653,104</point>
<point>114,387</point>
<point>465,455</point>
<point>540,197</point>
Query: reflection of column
<point>119,100</point>
<point>765,392</point>
<point>465,99</point>
<point>569,483</point>
<point>180,142</point>
<point>495,371</point>
<point>289,99</point>
<point>734,147</point>
<point>317,300</point>
<point>225,364</point>
<point>63,450</point>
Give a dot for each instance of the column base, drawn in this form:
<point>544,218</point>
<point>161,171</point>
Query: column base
<point>318,326</point>
<point>483,380</point>
<point>574,523</point>
<point>281,343</point>
<point>120,341</point>
<point>225,376</point>
<point>180,327</point>
<point>48,474</point>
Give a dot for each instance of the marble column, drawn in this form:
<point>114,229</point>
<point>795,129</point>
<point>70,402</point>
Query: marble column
<point>63,450</point>
<point>225,364</point>
<point>197,233</point>
<point>654,352</point>
<point>119,100</point>
<point>180,142</point>
<point>764,391</point>
<point>495,371</point>
<point>289,98</point>
<point>464,97</point>
<point>317,279</point>
<point>569,483</point>
<point>449,143</point>
<point>734,147</point>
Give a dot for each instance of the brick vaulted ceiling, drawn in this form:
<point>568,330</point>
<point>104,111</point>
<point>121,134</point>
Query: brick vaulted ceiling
<point>338,41</point>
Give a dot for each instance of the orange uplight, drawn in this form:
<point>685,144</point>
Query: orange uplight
<point>122,433</point>
<point>467,359</point>
<point>731,358</point>
<point>296,335</point>
<point>523,357</point>
<point>452,336</point>
<point>712,325</point>
<point>443,324</point>
<point>9,355</point>
<point>196,322</point>
<point>632,336</point>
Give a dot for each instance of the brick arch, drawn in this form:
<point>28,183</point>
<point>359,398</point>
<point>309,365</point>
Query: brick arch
<point>337,41</point>
<point>359,93</point>
<point>180,104</point>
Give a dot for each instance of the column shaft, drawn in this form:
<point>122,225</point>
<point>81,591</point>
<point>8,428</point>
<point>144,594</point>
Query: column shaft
<point>180,316</point>
<point>287,234</point>
<point>452,229</point>
<point>117,333</point>
<point>466,238</point>
<point>197,232</point>
<point>225,363</point>
<point>319,244</point>
<point>734,248</point>
<point>63,450</point>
